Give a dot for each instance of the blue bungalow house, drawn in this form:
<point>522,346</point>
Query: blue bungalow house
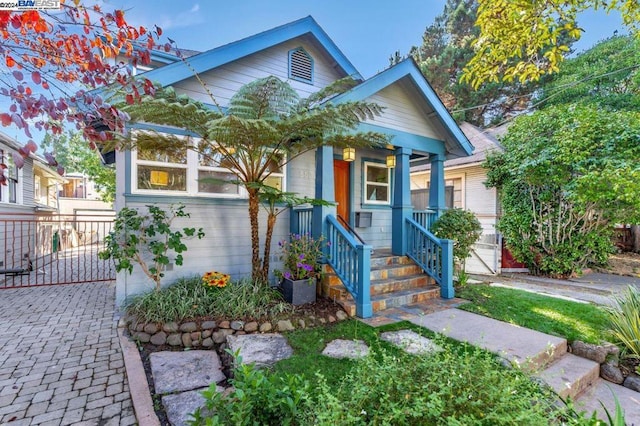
<point>371,187</point>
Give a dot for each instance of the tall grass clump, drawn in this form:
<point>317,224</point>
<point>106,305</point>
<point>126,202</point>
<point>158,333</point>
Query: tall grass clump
<point>624,318</point>
<point>189,298</point>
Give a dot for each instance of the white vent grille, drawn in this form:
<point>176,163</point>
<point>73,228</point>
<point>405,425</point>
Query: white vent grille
<point>300,65</point>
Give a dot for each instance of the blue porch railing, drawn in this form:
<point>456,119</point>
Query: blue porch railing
<point>351,261</point>
<point>425,218</point>
<point>433,255</point>
<point>301,220</point>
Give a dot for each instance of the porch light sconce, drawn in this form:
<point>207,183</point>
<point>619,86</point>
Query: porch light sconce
<point>349,154</point>
<point>391,161</point>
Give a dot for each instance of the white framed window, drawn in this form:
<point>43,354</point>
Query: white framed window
<point>214,179</point>
<point>377,184</point>
<point>12,191</point>
<point>183,171</point>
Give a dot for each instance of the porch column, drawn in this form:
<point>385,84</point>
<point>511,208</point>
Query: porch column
<point>324,189</point>
<point>437,185</point>
<point>402,207</point>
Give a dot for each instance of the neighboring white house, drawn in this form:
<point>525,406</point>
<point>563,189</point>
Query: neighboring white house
<point>372,194</point>
<point>30,195</point>
<point>465,189</point>
<point>78,196</point>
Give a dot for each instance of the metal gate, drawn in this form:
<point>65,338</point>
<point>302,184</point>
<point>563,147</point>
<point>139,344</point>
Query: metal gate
<point>37,250</point>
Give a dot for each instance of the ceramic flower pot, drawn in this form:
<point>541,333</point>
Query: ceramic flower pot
<point>298,292</point>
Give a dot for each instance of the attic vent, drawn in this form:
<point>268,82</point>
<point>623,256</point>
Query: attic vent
<point>300,65</point>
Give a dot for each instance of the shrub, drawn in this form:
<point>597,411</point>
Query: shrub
<point>463,228</point>
<point>134,234</point>
<point>624,318</point>
<point>189,298</point>
<point>257,398</point>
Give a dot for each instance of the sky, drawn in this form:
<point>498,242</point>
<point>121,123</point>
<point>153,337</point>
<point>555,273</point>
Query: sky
<point>367,31</point>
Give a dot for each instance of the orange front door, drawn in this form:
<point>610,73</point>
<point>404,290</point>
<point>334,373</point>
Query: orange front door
<point>341,182</point>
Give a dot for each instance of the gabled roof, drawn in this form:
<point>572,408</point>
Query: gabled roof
<point>178,71</point>
<point>484,141</point>
<point>456,142</point>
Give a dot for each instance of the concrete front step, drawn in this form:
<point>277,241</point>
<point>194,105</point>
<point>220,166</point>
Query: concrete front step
<point>530,349</point>
<point>570,375</point>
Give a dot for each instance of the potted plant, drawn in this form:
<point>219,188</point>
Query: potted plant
<point>301,262</point>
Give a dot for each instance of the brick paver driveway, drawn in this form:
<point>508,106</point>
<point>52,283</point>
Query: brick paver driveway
<point>60,358</point>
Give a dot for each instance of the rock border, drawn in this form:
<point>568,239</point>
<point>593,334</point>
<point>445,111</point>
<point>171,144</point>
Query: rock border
<point>608,356</point>
<point>213,334</point>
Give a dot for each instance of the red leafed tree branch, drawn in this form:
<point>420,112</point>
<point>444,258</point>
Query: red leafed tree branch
<point>54,59</point>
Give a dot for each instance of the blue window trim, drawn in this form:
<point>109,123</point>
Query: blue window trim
<point>363,201</point>
<point>292,77</point>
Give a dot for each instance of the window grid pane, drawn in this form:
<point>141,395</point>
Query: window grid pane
<point>162,178</point>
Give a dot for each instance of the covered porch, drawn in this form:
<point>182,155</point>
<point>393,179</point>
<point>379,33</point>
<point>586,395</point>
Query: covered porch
<point>349,254</point>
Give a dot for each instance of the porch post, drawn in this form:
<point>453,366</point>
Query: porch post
<point>402,207</point>
<point>324,190</point>
<point>437,185</point>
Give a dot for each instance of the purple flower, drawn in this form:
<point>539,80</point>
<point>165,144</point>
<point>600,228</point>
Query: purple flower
<point>306,267</point>
<point>287,275</point>
<point>301,257</point>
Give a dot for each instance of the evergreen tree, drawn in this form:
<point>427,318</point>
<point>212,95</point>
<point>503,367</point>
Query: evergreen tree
<point>447,47</point>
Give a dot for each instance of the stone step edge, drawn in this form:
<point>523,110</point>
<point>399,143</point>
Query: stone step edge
<point>570,375</point>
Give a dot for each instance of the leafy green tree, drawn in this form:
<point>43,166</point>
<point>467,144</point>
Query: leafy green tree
<point>75,155</point>
<point>607,76</point>
<point>568,173</point>
<point>523,40</point>
<point>446,49</point>
<point>266,125</point>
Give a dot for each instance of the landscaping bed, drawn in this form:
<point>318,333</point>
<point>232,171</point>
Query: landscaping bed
<point>210,332</point>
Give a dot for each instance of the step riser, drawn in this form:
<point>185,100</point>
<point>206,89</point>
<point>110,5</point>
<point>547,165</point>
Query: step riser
<point>377,262</point>
<point>383,274</point>
<point>394,302</point>
<point>399,285</point>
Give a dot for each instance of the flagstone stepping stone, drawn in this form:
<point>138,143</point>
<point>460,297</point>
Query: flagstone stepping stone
<point>185,371</point>
<point>179,406</point>
<point>260,349</point>
<point>340,348</point>
<point>411,342</point>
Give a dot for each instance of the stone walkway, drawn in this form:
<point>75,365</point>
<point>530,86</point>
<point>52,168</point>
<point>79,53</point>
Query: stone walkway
<point>60,357</point>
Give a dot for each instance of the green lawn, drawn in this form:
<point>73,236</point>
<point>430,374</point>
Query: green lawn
<point>572,320</point>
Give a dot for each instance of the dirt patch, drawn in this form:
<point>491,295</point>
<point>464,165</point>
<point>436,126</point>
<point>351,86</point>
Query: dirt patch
<point>627,264</point>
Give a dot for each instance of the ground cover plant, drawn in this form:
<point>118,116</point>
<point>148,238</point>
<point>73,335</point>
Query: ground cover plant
<point>191,298</point>
<point>458,385</point>
<point>564,318</point>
